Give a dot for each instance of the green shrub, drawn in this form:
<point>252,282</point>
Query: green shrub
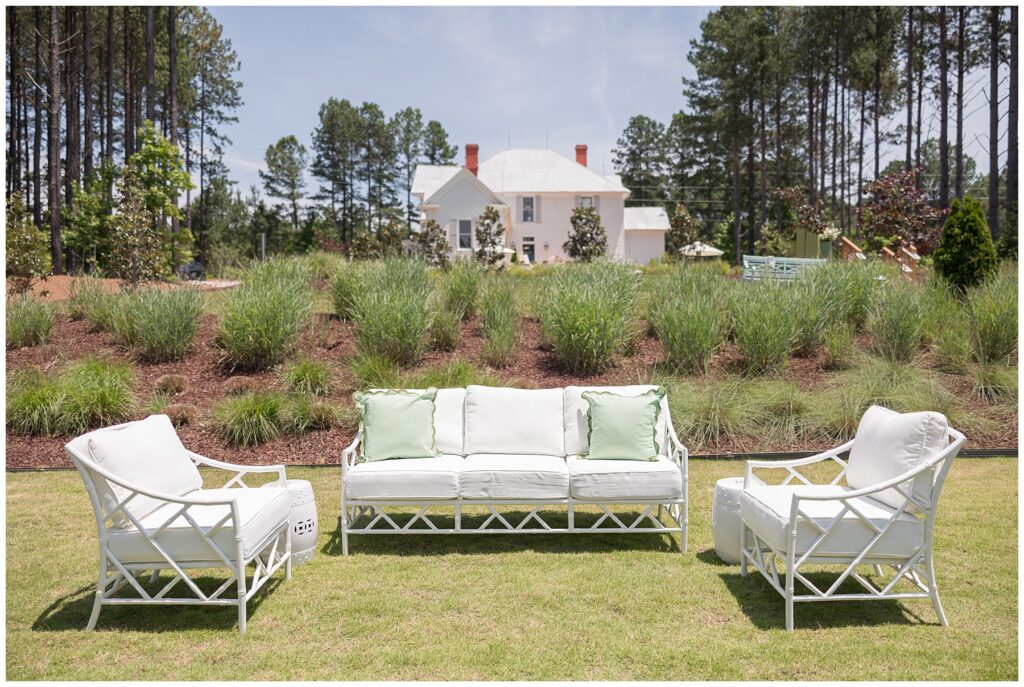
<point>588,313</point>
<point>445,330</point>
<point>249,419</point>
<point>28,248</point>
<point>965,255</point>
<point>460,286</point>
<point>392,310</point>
<point>764,325</point>
<point>346,283</point>
<point>375,372</point>
<point>691,327</point>
<point>88,394</point>
<point>29,322</point>
<point>992,318</point>
<point>305,376</point>
<point>499,321</point>
<point>897,321</point>
<point>162,324</point>
<point>261,320</point>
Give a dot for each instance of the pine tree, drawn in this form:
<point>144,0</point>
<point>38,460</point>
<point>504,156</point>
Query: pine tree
<point>436,149</point>
<point>286,163</point>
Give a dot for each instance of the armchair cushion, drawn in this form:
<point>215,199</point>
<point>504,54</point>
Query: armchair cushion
<point>262,512</point>
<point>514,421</point>
<point>888,444</point>
<point>765,510</point>
<point>419,478</point>
<point>624,479</point>
<point>146,453</point>
<point>514,476</point>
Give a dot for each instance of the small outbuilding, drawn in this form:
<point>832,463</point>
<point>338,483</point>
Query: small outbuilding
<point>645,228</point>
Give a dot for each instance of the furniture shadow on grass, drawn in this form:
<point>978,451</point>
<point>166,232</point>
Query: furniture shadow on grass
<point>422,542</point>
<point>761,603</point>
<point>71,612</point>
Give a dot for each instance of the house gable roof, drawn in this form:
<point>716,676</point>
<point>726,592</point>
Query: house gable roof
<point>542,171</point>
<point>645,218</point>
<point>429,178</point>
<point>463,176</point>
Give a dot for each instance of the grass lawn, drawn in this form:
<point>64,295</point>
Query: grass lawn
<point>609,607</point>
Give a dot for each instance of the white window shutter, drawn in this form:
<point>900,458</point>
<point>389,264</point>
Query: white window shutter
<point>519,208</point>
<point>536,209</point>
<point>597,204</point>
<point>453,233</point>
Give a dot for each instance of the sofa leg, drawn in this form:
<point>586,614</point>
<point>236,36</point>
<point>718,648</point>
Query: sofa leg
<point>789,610</point>
<point>97,604</point>
<point>344,537</point>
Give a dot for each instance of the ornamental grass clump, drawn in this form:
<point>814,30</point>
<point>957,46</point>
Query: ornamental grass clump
<point>370,371</point>
<point>261,320</point>
<point>691,327</point>
<point>817,307</point>
<point>445,329</point>
<point>896,322</point>
<point>460,286</point>
<point>29,322</point>
<point>88,394</point>
<point>588,313</point>
<point>88,300</point>
<point>499,321</point>
<point>250,419</point>
<point>992,318</point>
<point>305,376</point>
<point>161,324</point>
<point>392,311</point>
<point>345,284</point>
<point>764,325</point>
<point>709,413</point>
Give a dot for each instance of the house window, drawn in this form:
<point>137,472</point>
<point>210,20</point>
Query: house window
<point>586,201</point>
<point>528,204</point>
<point>465,234</point>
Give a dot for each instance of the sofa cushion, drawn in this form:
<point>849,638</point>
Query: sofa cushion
<point>396,423</point>
<point>523,421</point>
<point>622,427</point>
<point>409,478</point>
<point>575,409</point>
<point>514,476</point>
<point>888,444</point>
<point>624,479</point>
<point>148,454</point>
<point>765,510</point>
<point>261,511</point>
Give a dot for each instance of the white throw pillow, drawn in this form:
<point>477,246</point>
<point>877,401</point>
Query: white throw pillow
<point>502,420</point>
<point>148,454</point>
<point>888,444</point>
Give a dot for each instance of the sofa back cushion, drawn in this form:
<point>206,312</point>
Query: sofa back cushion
<point>524,421</point>
<point>888,444</point>
<point>147,454</point>
<point>575,416</point>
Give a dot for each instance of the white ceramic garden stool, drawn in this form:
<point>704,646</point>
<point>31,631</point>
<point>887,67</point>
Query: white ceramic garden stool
<point>303,520</point>
<point>725,518</point>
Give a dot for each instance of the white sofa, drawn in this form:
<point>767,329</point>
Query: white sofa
<point>152,514</point>
<point>518,448</point>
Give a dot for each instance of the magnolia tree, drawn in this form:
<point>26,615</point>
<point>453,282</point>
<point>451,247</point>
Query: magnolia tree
<point>28,249</point>
<point>683,230</point>
<point>587,239</point>
<point>896,211</point>
<point>432,244</point>
<point>136,242</point>
<point>490,237</point>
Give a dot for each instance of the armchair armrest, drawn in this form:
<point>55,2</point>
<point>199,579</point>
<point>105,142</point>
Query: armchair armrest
<point>676,447</point>
<point>240,470</point>
<point>791,466</point>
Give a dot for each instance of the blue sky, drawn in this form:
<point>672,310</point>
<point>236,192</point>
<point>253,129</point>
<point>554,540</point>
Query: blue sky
<point>544,76</point>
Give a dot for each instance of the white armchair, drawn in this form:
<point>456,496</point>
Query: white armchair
<point>152,514</point>
<point>877,510</point>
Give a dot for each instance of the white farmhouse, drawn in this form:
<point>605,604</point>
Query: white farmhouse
<point>535,192</point>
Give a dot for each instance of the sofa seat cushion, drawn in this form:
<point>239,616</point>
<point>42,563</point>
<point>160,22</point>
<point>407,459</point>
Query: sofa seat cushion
<point>765,510</point>
<point>501,420</point>
<point>514,476</point>
<point>624,479</point>
<point>405,478</point>
<point>262,511</point>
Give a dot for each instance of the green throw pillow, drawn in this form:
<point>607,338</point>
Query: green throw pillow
<point>396,424</point>
<point>623,427</point>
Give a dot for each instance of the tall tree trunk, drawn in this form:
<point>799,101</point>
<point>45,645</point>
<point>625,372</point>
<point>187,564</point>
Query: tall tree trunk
<point>835,119</point>
<point>961,67</point>
<point>129,125</point>
<point>877,111</point>
<point>12,129</point>
<point>109,153</point>
<point>150,66</point>
<point>751,212</point>
<point>762,216</point>
<point>920,101</point>
<point>53,143</point>
<point>910,84</point>
<point>1011,135</point>
<point>71,174</point>
<point>737,237</point>
<point>172,89</point>
<point>201,237</point>
<point>823,129</point>
<point>993,123</point>
<point>37,133</point>
<point>778,135</point>
<point>87,87</point>
<point>860,149</point>
<point>844,201</point>
<point>812,184</point>
<point>943,111</point>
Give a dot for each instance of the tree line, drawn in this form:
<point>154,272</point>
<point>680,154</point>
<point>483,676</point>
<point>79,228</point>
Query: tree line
<point>84,82</point>
<point>811,97</point>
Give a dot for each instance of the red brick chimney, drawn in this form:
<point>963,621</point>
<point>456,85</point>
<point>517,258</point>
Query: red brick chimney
<point>581,154</point>
<point>472,157</point>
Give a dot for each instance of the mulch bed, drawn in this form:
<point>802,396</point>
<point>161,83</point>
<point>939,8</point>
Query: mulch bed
<point>332,340</point>
<point>58,287</point>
